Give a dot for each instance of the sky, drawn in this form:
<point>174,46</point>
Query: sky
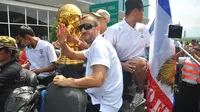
<point>187,12</point>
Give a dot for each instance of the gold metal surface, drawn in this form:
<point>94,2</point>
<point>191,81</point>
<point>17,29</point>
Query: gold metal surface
<point>166,74</point>
<point>69,15</point>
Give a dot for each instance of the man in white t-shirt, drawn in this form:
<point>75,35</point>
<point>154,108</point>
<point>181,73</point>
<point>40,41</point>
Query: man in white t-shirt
<point>40,54</point>
<point>130,38</point>
<point>103,78</point>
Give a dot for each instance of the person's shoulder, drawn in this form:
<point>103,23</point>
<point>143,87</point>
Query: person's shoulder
<point>116,27</point>
<point>102,43</point>
<point>45,43</point>
<point>98,42</point>
<point>13,67</point>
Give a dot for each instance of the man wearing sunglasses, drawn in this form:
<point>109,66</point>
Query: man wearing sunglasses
<point>9,68</point>
<point>131,38</point>
<point>189,98</point>
<point>103,77</point>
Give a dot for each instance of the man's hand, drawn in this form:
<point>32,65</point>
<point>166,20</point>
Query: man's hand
<point>129,66</point>
<point>188,48</point>
<point>61,34</point>
<point>26,65</point>
<point>72,39</point>
<point>193,52</point>
<point>37,71</point>
<point>56,44</point>
<point>60,80</point>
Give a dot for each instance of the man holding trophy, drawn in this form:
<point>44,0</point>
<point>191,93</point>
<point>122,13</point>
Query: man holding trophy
<point>103,80</point>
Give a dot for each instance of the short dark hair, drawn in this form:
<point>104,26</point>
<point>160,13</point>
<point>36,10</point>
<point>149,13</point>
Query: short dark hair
<point>193,40</point>
<point>24,30</point>
<point>130,5</point>
<point>96,20</point>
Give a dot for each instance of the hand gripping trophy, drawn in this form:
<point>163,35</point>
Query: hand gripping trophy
<point>70,15</point>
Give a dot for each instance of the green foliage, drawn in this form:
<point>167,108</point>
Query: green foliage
<point>53,36</point>
<point>190,39</point>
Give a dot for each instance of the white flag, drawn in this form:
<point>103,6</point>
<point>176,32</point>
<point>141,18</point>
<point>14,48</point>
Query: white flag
<point>161,64</point>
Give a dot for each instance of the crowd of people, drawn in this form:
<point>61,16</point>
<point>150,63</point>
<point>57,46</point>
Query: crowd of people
<point>116,60</point>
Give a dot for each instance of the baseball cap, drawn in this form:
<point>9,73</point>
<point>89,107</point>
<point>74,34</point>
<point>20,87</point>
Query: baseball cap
<point>135,4</point>
<point>8,42</point>
<point>102,13</point>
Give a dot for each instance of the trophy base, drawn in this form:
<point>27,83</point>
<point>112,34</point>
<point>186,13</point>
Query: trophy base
<point>73,70</point>
<point>65,61</point>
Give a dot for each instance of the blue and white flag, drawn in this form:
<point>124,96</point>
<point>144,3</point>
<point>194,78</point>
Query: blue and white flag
<point>161,63</point>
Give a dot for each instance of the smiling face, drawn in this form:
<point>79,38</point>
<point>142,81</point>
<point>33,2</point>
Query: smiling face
<point>89,28</point>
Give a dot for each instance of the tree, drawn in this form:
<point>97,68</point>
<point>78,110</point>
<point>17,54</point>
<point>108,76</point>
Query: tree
<point>53,35</point>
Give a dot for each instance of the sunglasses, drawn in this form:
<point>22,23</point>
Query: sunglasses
<point>86,26</point>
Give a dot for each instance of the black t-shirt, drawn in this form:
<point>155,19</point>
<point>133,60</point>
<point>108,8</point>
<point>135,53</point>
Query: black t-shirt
<point>9,80</point>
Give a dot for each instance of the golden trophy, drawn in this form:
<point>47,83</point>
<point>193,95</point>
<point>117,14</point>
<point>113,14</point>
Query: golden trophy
<point>69,15</point>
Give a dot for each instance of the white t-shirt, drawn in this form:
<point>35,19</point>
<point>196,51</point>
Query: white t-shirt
<point>109,95</point>
<point>42,56</point>
<point>129,42</point>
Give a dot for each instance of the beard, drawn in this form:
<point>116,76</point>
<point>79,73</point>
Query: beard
<point>89,40</point>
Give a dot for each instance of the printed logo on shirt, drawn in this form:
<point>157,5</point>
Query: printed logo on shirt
<point>142,36</point>
<point>41,51</point>
<point>141,31</point>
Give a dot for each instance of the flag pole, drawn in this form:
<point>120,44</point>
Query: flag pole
<point>178,44</point>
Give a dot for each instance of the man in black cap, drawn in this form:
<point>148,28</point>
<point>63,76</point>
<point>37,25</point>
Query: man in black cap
<point>9,68</point>
<point>130,38</point>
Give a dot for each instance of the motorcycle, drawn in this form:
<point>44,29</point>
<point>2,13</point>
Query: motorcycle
<point>29,98</point>
<point>26,98</point>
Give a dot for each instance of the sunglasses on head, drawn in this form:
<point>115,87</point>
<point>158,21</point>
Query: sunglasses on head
<point>86,26</point>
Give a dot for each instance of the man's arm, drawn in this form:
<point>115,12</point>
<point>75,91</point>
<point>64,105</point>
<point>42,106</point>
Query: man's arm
<point>68,52</point>
<point>75,40</point>
<point>179,54</point>
<point>71,54</point>
<point>26,65</point>
<point>47,69</point>
<point>96,79</point>
<point>196,57</point>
